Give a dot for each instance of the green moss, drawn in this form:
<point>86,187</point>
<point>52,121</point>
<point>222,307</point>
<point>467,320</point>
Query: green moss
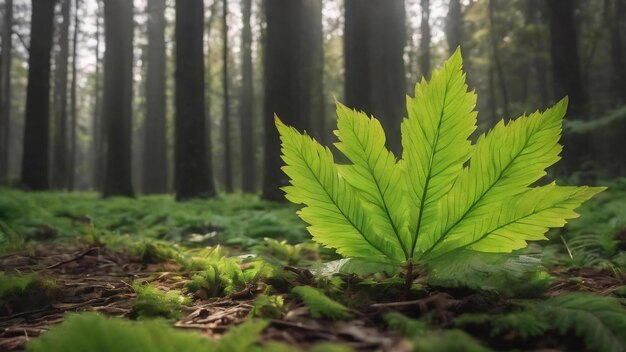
<point>153,302</point>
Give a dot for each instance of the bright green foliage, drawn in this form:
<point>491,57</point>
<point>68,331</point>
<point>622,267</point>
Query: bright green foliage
<point>224,275</point>
<point>242,337</point>
<point>445,193</point>
<point>153,302</point>
<point>320,306</point>
<point>94,332</point>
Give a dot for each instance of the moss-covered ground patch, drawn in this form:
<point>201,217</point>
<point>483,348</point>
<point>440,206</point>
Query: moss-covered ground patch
<point>194,271</point>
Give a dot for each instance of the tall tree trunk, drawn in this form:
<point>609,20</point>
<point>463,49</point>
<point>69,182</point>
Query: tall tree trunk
<point>454,25</point>
<point>293,79</point>
<point>73,102</point>
<point>374,67</point>
<point>118,93</point>
<point>193,173</point>
<point>228,167</point>
<point>35,159</point>
<point>98,129</point>
<point>614,10</point>
<point>312,68</point>
<point>568,78</point>
<point>424,55</point>
<point>5,89</point>
<point>497,63</point>
<point>534,16</point>
<point>59,161</point>
<point>246,118</point>
<point>281,86</point>
<point>155,148</point>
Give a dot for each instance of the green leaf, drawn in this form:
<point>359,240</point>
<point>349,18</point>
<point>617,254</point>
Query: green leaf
<point>505,162</point>
<point>435,142</point>
<point>335,213</point>
<point>445,194</point>
<point>374,173</point>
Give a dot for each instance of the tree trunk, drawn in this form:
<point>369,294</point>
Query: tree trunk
<point>98,130</point>
<point>193,173</point>
<point>59,150</point>
<point>497,63</point>
<point>248,179</point>
<point>613,13</point>
<point>568,78</point>
<point>5,89</point>
<point>534,16</point>
<point>228,167</point>
<point>454,25</point>
<point>155,148</point>
<point>35,159</point>
<point>73,102</point>
<point>424,56</point>
<point>118,93</point>
<point>374,67</point>
<point>312,68</point>
<point>282,73</point>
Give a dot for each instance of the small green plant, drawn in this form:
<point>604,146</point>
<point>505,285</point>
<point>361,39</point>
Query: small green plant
<point>94,332</point>
<point>445,194</point>
<point>153,302</point>
<point>320,306</point>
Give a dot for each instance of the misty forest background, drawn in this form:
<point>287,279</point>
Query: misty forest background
<point>159,96</point>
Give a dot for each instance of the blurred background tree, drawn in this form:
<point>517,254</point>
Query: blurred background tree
<point>152,98</point>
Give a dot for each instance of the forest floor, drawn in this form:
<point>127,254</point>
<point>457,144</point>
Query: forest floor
<point>207,266</point>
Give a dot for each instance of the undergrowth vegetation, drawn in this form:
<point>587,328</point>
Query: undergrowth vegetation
<point>407,255</point>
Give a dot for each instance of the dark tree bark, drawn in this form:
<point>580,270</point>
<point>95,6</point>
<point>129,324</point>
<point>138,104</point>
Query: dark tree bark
<point>228,167</point>
<point>118,93</point>
<point>424,50</point>
<point>495,59</point>
<point>293,79</point>
<point>454,25</point>
<point>534,16</point>
<point>193,173</point>
<point>155,148</point>
<point>375,80</point>
<point>35,159</point>
<point>73,102</point>
<point>98,130</point>
<point>568,78</point>
<point>5,89</point>
<point>248,177</point>
<point>281,87</point>
<point>59,142</point>
<point>614,10</point>
<point>312,68</point>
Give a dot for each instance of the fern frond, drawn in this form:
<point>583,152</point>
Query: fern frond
<point>435,142</point>
<point>600,321</point>
<point>335,213</point>
<point>374,173</point>
<point>320,306</point>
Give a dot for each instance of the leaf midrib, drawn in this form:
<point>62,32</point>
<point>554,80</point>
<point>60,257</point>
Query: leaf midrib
<point>337,205</point>
<point>443,235</point>
<point>430,168</point>
<point>382,196</point>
